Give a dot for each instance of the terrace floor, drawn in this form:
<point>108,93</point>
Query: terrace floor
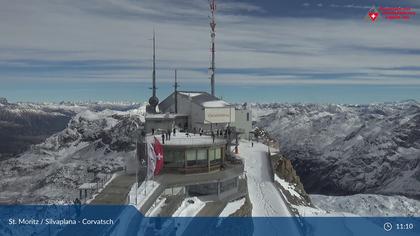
<point>182,139</point>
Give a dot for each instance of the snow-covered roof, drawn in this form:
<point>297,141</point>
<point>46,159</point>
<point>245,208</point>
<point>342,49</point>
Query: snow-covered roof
<point>203,99</point>
<point>191,94</point>
<point>164,116</point>
<point>217,103</point>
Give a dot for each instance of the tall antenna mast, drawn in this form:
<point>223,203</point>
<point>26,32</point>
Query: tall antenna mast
<point>176,92</point>
<point>213,50</point>
<point>153,100</point>
<point>154,65</point>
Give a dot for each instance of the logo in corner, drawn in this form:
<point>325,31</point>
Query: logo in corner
<point>373,14</point>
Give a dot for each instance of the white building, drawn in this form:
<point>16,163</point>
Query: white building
<point>243,122</point>
<point>192,110</point>
<point>202,109</point>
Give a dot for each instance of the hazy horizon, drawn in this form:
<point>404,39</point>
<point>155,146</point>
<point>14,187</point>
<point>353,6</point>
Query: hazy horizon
<point>232,94</point>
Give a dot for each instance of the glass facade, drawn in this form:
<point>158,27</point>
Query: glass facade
<point>215,155</point>
<point>191,157</point>
<point>213,188</point>
<point>202,189</point>
<point>174,159</point>
<point>199,157</point>
<point>202,157</point>
<point>212,154</point>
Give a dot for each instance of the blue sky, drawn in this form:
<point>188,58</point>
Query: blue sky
<point>267,50</point>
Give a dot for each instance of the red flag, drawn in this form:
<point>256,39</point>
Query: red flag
<point>151,161</point>
<point>159,156</point>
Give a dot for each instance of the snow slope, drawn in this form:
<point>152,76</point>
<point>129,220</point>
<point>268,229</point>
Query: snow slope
<point>232,207</point>
<point>94,143</point>
<point>368,205</point>
<point>189,207</point>
<point>265,197</point>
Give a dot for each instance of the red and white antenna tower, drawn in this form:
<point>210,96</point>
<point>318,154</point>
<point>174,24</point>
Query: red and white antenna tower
<point>212,68</point>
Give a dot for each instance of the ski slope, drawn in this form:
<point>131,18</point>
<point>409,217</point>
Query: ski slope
<point>265,197</point>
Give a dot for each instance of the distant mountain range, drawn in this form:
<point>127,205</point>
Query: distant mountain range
<point>348,149</point>
<point>50,149</point>
<point>25,124</point>
<point>22,125</point>
<point>88,139</point>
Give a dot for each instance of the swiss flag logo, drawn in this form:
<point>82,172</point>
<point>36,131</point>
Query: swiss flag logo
<point>158,148</point>
<point>373,15</point>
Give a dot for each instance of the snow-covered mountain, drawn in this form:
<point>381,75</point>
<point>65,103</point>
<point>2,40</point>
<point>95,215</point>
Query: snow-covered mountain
<point>335,149</point>
<point>368,205</point>
<point>96,140</point>
<point>25,124</point>
<point>346,149</point>
<point>22,125</point>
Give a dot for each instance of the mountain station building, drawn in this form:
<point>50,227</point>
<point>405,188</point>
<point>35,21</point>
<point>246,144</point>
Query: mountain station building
<point>192,111</point>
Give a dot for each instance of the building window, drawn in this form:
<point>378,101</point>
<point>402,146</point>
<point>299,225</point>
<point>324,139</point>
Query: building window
<point>216,156</point>
<point>247,116</point>
<point>212,153</point>
<point>191,157</point>
<point>202,189</point>
<point>174,159</point>
<point>202,157</point>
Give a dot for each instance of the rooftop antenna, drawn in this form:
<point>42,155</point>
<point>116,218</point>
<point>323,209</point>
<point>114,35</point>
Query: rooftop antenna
<point>153,100</point>
<point>212,68</point>
<point>154,64</point>
<point>176,85</point>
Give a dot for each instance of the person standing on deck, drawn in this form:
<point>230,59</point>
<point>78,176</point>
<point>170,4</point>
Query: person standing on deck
<point>78,206</point>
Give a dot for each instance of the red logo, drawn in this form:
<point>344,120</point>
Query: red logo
<point>373,15</point>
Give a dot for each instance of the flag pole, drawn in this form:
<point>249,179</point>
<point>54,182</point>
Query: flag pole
<point>137,170</point>
<point>153,175</point>
<point>147,170</point>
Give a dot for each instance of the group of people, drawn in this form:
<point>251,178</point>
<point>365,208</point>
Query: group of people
<point>166,135</point>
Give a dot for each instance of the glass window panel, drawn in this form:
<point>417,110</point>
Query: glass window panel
<point>191,155</point>
<point>179,158</point>
<point>202,154</point>
<point>169,157</point>
<point>212,154</point>
<point>174,159</point>
<point>218,154</point>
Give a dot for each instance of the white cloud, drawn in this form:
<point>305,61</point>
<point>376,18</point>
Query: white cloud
<point>120,30</point>
<point>350,6</point>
